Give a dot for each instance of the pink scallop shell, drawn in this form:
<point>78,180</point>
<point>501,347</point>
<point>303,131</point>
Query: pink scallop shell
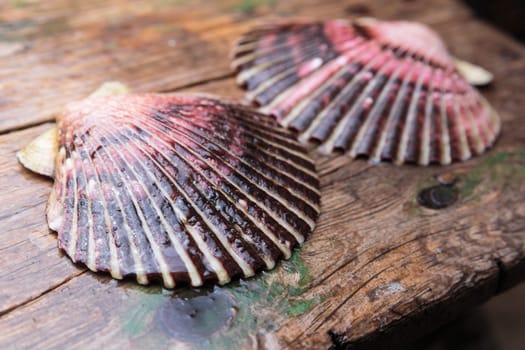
<point>384,90</point>
<point>178,188</point>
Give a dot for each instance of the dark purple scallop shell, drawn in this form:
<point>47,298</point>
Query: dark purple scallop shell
<point>384,90</point>
<point>178,188</point>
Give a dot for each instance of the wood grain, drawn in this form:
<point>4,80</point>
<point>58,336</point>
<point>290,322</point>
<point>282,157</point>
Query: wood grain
<point>63,50</point>
<point>379,270</point>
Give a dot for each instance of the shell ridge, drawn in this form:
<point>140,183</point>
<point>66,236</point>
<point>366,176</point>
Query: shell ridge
<point>159,259</point>
<point>351,51</point>
<point>276,173</point>
<point>190,267</point>
<point>266,175</point>
<point>198,171</point>
<point>385,140</point>
<point>459,126</point>
<point>244,265</point>
<point>275,144</point>
<point>289,153</point>
<point>410,127</point>
<point>189,164</point>
<point>341,126</point>
<point>378,101</point>
<point>265,258</point>
<point>269,84</point>
<point>328,69</point>
<point>342,70</point>
<point>253,45</point>
<point>265,209</point>
<point>362,82</point>
<point>371,126</point>
<point>380,111</point>
<point>124,244</point>
<point>265,67</point>
<point>427,145</point>
<point>117,242</point>
<point>337,83</point>
<point>449,119</point>
<point>92,252</point>
<point>303,115</point>
<point>475,135</point>
<point>72,234</point>
<point>241,264</point>
<point>311,122</point>
<point>286,99</point>
<point>196,276</point>
<point>283,223</point>
<point>84,244</point>
<point>445,151</point>
<point>288,156</point>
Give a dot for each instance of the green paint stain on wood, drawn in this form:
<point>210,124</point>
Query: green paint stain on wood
<point>11,31</point>
<point>261,301</point>
<point>249,7</point>
<point>258,303</point>
<point>21,3</point>
<point>53,27</point>
<point>491,173</point>
<point>136,320</point>
<point>161,4</point>
<point>299,307</point>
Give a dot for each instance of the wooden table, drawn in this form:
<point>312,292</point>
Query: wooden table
<point>379,270</point>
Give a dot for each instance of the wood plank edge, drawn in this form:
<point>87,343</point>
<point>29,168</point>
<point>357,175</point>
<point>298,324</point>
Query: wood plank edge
<point>429,318</point>
<point>221,75</point>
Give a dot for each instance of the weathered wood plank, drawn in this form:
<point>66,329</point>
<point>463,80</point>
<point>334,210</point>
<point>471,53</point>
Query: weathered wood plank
<point>30,263</point>
<point>378,265</point>
<point>58,52</point>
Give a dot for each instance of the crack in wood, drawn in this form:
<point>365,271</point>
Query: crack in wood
<point>502,275</point>
<point>26,126</point>
<point>9,215</point>
<point>206,80</point>
<point>10,309</point>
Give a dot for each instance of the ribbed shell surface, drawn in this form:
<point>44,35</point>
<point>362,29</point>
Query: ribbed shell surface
<point>384,90</point>
<point>179,188</point>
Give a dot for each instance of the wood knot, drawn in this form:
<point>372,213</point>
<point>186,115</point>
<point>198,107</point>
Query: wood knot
<point>438,197</point>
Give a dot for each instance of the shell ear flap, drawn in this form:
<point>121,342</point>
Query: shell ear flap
<point>474,74</point>
<point>39,155</point>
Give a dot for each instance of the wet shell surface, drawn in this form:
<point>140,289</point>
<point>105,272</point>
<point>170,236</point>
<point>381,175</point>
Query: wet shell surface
<point>179,188</point>
<point>384,90</point>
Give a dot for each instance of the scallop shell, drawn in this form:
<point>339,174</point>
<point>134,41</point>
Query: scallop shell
<point>384,90</point>
<point>179,188</point>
